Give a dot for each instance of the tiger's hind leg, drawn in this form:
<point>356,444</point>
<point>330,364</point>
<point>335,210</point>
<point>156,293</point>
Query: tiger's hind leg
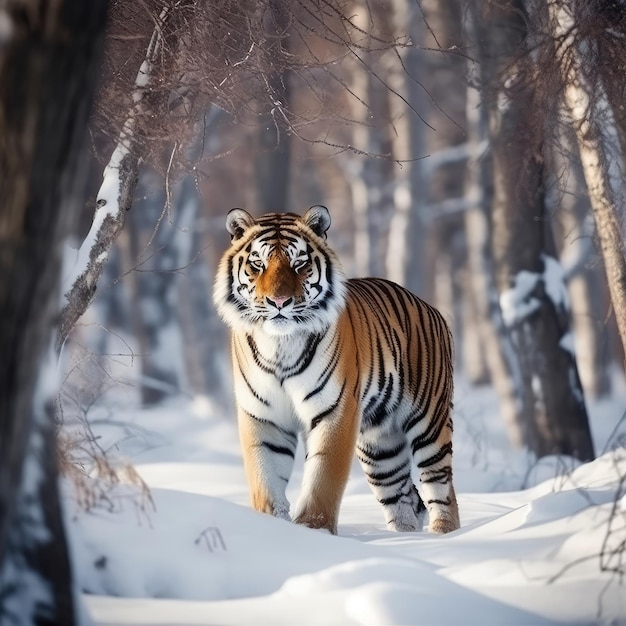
<point>386,462</point>
<point>431,442</point>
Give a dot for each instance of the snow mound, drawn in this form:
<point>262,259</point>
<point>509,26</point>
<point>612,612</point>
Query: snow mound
<point>552,553</point>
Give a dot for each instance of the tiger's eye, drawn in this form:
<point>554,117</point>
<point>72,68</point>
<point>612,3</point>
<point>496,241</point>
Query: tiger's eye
<point>301,265</point>
<point>255,266</point>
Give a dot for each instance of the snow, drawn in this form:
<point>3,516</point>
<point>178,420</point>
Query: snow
<point>76,262</point>
<point>530,549</point>
<point>518,302</point>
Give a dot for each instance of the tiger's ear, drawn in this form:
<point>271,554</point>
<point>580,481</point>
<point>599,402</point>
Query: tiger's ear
<point>317,218</point>
<point>237,221</point>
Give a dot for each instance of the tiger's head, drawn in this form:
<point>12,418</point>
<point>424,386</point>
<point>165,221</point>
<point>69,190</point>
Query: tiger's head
<point>279,275</point>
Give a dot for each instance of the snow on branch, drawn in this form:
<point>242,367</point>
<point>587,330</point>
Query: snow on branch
<point>114,200</point>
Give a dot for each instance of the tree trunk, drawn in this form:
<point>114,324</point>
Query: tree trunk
<point>113,201</point>
<point>159,247</point>
<point>529,280</point>
<point>600,154</point>
<point>274,158</point>
<point>206,345</point>
<point>48,64</point>
<point>582,264</point>
<point>497,347</point>
<point>407,262</point>
<point>372,177</point>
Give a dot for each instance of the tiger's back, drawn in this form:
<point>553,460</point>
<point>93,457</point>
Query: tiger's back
<point>345,364</point>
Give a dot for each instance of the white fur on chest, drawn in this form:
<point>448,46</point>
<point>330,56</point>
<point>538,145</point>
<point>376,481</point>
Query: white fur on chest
<point>285,395</point>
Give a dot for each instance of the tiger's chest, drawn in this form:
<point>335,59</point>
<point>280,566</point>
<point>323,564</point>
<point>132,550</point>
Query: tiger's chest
<point>282,378</point>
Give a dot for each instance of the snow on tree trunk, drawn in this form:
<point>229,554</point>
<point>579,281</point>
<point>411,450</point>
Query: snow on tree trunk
<point>535,311</point>
<point>49,58</point>
<point>600,151</point>
<point>114,200</point>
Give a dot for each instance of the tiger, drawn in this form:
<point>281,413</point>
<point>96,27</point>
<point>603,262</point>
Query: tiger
<point>348,365</point>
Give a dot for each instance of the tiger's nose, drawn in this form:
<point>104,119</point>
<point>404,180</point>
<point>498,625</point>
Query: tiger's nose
<point>279,301</point>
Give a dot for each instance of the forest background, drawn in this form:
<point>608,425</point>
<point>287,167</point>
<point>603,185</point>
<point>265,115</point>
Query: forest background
<point>472,151</point>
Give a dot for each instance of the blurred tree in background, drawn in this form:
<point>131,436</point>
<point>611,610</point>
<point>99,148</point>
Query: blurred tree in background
<point>471,150</point>
<point>49,58</point>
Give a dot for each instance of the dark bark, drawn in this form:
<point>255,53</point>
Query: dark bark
<point>47,70</point>
<point>552,413</point>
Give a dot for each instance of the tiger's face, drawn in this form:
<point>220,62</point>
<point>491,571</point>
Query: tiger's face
<point>279,275</point>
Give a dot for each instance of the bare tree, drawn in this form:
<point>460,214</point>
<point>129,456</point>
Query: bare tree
<point>115,196</point>
<point>596,128</point>
<point>48,61</point>
<point>529,279</point>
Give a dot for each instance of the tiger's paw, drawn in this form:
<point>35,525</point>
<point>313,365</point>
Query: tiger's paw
<point>317,521</point>
<point>281,511</point>
<point>442,525</point>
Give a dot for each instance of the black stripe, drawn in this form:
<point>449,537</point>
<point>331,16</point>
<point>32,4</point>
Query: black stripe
<point>442,475</point>
<point>307,356</point>
<point>264,366</point>
<point>383,482</point>
<point>326,374</point>
<point>437,457</point>
<point>391,499</point>
<point>262,420</point>
<point>318,418</point>
<point>252,390</point>
<point>380,454</point>
<point>278,449</point>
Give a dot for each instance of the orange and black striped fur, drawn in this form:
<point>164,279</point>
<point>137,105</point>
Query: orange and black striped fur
<point>358,364</point>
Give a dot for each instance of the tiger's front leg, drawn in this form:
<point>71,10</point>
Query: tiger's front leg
<point>268,455</point>
<point>329,443</point>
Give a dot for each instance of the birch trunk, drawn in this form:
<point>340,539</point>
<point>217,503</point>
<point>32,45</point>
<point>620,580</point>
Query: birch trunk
<point>355,166</point>
<point>407,261</point>
<point>371,169</point>
<point>114,199</point>
<point>586,280</point>
<point>600,152</point>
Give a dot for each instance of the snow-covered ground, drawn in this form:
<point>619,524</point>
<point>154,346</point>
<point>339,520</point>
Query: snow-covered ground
<point>536,546</point>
